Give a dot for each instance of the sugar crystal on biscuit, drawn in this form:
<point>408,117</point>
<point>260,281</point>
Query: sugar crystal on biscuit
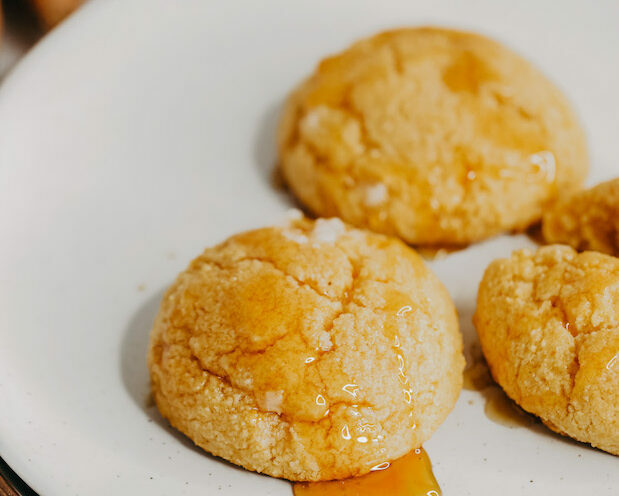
<point>328,230</point>
<point>375,194</point>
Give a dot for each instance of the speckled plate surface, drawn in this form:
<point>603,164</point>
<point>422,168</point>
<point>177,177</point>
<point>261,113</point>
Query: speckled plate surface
<point>140,132</point>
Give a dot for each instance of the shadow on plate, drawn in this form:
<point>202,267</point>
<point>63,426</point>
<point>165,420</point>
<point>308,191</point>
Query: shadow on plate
<point>134,371</point>
<point>265,155</point>
<point>466,309</point>
<point>265,146</point>
<point>135,376</point>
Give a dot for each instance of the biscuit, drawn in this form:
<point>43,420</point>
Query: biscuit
<point>548,323</point>
<point>437,136</point>
<point>310,352</point>
<point>586,220</point>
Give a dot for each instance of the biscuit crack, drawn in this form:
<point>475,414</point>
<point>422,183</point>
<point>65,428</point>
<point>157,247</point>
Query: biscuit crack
<point>347,105</point>
<point>299,282</point>
<point>272,264</point>
<point>573,371</point>
<point>504,101</point>
<point>346,300</point>
<point>397,59</point>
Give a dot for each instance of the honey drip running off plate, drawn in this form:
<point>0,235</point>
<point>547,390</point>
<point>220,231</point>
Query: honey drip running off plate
<point>410,475</point>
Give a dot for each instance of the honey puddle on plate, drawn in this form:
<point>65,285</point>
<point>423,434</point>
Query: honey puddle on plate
<point>410,475</point>
<point>499,408</point>
<point>476,374</point>
<point>436,253</point>
<point>477,377</point>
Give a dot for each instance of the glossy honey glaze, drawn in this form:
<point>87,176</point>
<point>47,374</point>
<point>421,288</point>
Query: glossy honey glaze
<point>410,475</point>
<point>503,411</point>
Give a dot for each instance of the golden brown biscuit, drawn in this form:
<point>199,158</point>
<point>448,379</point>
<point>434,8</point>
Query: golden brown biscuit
<point>437,136</point>
<point>548,323</point>
<point>586,220</point>
<point>310,352</point>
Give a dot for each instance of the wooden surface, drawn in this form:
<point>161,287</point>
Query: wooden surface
<point>11,484</point>
<point>6,489</point>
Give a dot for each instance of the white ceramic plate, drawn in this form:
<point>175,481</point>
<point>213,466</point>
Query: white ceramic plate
<point>142,131</point>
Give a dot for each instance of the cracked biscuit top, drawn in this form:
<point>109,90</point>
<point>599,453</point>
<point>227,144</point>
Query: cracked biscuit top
<point>548,323</point>
<point>437,136</point>
<point>313,351</point>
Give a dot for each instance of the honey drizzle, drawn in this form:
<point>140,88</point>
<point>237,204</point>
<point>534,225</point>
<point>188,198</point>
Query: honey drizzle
<point>410,475</point>
<point>398,307</point>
